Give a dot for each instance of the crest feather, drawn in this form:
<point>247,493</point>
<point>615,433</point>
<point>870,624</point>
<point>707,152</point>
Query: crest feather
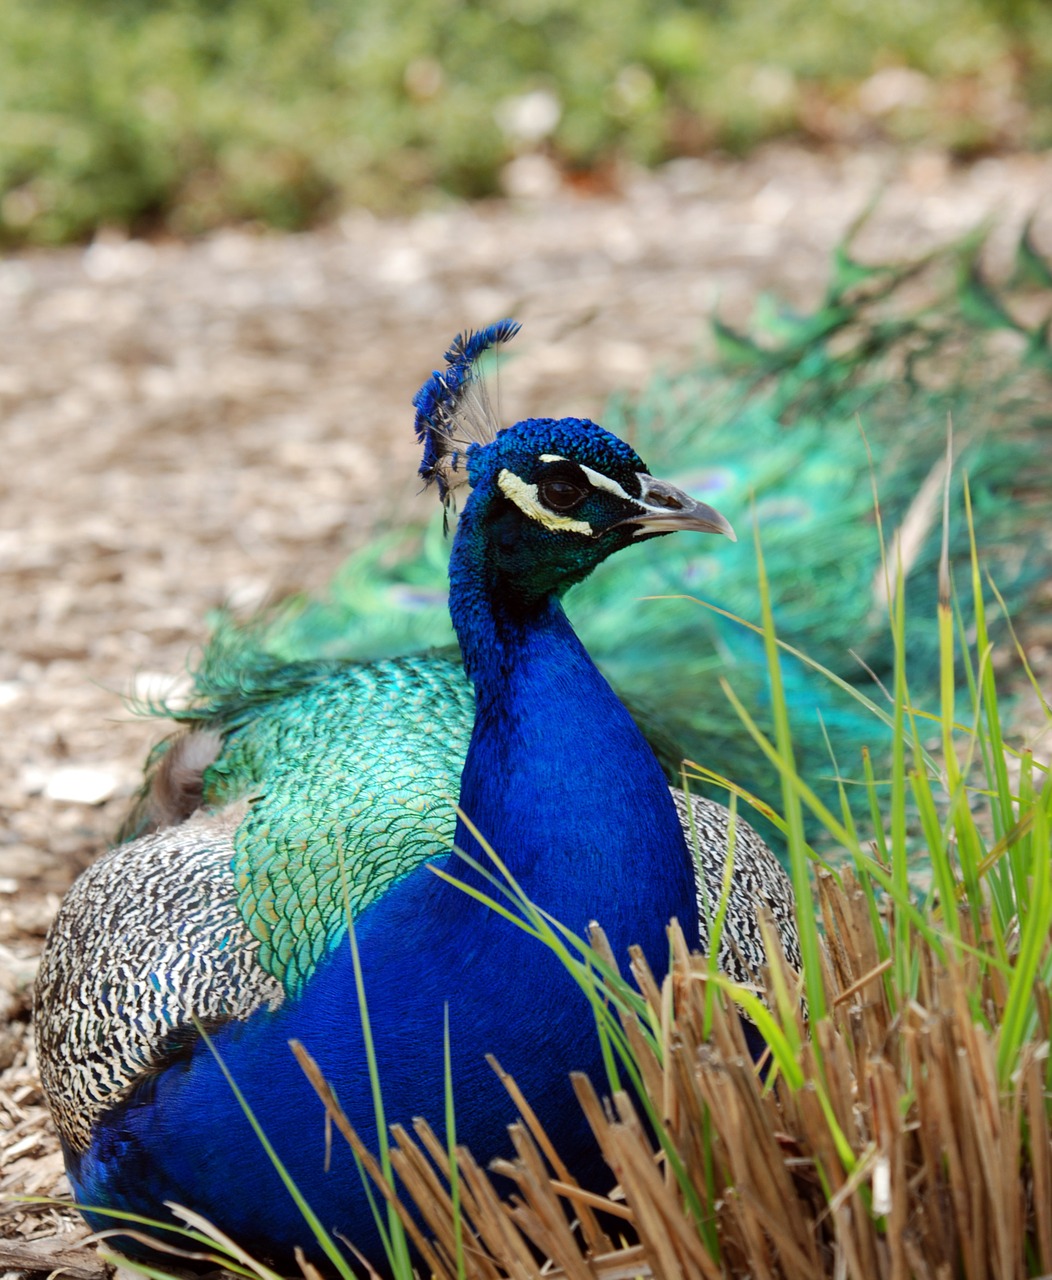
<point>453,409</point>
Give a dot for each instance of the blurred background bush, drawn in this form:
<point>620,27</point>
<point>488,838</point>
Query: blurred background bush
<point>178,116</point>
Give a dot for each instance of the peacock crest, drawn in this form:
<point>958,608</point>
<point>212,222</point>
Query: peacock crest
<point>453,408</point>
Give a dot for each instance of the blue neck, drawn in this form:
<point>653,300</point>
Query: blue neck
<point>558,778</point>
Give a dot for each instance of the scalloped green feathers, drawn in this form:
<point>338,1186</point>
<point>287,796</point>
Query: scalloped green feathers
<point>309,850</point>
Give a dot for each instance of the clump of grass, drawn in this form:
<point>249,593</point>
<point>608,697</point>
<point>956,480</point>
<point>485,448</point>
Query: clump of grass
<point>889,1148</point>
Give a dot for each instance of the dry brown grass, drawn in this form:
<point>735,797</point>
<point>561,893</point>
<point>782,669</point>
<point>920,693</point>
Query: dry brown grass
<point>895,1154</point>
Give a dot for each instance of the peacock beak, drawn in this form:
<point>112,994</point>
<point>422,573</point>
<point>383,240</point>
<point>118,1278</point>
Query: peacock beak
<point>666,509</point>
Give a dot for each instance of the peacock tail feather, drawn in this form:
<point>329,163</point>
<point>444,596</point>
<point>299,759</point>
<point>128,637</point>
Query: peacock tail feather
<point>794,425</point>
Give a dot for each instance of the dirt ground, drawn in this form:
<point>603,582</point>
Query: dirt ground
<point>187,424</point>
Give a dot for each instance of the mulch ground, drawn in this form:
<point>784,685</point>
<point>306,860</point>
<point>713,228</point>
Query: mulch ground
<point>187,424</point>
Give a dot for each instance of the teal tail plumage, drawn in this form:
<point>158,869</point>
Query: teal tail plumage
<point>794,426</point>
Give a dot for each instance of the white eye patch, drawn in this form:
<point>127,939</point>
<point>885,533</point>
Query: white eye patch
<point>528,501</point>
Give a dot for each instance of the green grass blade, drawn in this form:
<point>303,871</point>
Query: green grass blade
<point>1020,1013</point>
<point>451,1146</point>
<point>395,1244</point>
<point>325,1241</point>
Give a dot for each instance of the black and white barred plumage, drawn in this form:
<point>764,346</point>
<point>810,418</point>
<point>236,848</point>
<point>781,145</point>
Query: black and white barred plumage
<point>160,916</point>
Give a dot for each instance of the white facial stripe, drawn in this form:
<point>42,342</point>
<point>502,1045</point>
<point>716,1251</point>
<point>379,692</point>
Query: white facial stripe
<point>599,481</point>
<point>526,499</point>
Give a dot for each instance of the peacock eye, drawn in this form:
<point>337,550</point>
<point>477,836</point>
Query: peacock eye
<point>560,495</point>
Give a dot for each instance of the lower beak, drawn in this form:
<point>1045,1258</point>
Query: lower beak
<point>666,509</point>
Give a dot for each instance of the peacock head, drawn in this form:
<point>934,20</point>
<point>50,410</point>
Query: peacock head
<point>550,498</point>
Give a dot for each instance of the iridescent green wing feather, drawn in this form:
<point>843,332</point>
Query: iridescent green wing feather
<point>351,781</point>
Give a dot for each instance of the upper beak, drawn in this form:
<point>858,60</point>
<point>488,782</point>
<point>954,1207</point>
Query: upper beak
<point>666,509</point>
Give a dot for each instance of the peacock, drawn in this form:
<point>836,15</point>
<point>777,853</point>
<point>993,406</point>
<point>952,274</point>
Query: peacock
<point>304,793</point>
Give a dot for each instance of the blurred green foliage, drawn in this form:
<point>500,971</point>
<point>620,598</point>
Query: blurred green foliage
<point>184,114</point>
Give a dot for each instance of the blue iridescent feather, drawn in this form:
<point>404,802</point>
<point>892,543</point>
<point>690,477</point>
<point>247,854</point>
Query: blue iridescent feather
<point>442,426</point>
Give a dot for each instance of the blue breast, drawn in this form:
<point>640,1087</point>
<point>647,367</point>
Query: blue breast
<point>425,944</point>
